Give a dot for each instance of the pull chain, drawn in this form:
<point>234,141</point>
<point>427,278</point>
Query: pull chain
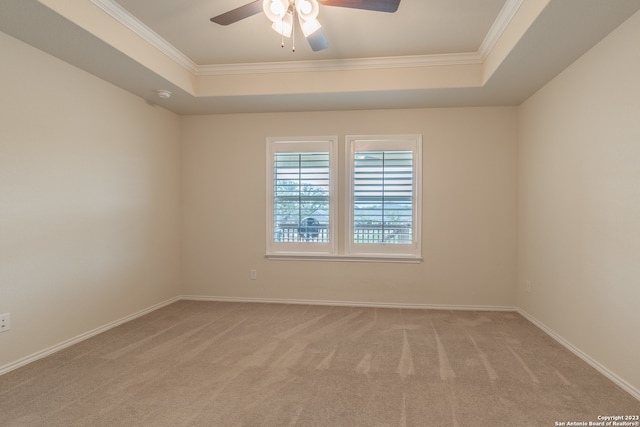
<point>293,30</point>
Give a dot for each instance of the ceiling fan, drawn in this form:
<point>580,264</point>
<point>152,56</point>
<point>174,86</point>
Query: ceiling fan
<point>282,13</point>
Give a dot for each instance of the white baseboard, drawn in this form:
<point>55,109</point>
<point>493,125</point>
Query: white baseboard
<point>349,303</point>
<point>48,351</point>
<point>53,349</point>
<point>582,355</point>
<point>595,364</point>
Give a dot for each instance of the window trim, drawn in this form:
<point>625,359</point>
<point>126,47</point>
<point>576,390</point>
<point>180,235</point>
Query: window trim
<point>341,202</point>
<point>294,145</point>
<point>411,143</point>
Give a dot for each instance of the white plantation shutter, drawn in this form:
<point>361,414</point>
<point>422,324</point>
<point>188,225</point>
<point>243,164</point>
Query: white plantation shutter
<point>384,174</point>
<point>301,207</point>
<point>301,200</point>
<point>383,197</point>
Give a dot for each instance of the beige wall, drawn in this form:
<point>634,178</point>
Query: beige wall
<point>93,182</point>
<point>579,204</point>
<point>469,207</point>
<point>89,202</point>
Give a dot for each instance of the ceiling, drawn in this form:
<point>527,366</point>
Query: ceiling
<point>459,26</point>
<point>430,53</point>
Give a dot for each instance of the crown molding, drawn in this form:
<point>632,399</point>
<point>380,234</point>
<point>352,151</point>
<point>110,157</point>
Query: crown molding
<point>341,64</point>
<point>499,26</point>
<point>134,24</point>
<point>468,58</point>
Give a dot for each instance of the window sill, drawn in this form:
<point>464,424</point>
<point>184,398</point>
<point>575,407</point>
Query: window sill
<point>345,258</point>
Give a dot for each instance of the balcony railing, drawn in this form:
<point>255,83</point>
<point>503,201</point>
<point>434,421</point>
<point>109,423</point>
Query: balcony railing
<point>382,233</point>
<point>363,233</point>
<point>294,233</point>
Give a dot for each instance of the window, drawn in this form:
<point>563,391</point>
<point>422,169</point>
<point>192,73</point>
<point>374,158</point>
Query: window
<point>380,212</point>
<point>383,178</point>
<point>301,195</point>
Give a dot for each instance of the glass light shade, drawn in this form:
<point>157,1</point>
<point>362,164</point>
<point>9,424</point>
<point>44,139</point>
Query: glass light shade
<point>275,9</point>
<point>303,6</point>
<point>307,9</point>
<point>310,27</point>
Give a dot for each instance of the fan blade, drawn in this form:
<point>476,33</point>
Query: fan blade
<point>317,40</point>
<point>239,13</point>
<point>389,6</point>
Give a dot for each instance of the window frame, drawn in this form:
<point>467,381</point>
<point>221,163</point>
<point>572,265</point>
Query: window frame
<point>359,143</point>
<point>327,144</point>
<point>340,246</point>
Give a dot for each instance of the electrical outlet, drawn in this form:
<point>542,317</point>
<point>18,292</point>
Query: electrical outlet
<point>253,275</point>
<point>5,322</point>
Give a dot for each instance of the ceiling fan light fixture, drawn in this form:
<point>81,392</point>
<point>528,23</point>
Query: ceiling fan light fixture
<point>275,9</point>
<point>284,26</point>
<point>280,13</point>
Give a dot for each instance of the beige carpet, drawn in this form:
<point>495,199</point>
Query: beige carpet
<point>241,364</point>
